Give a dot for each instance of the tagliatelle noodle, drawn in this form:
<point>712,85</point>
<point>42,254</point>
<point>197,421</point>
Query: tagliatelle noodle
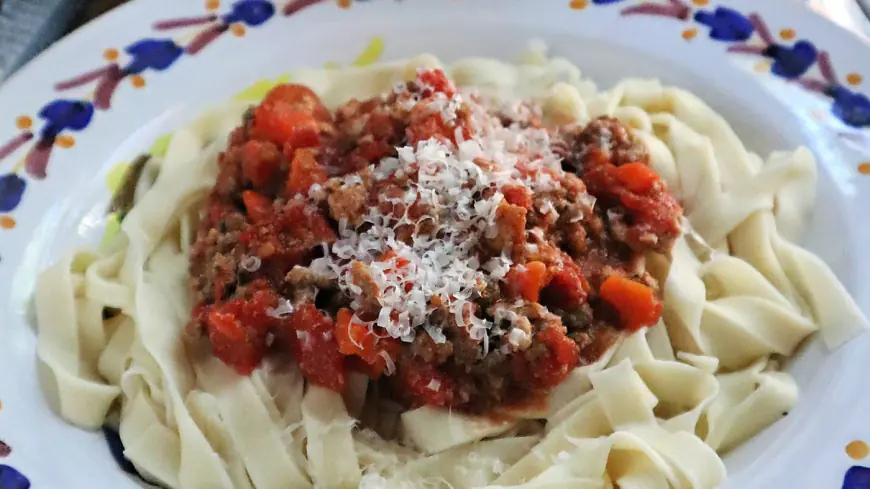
<point>652,413</point>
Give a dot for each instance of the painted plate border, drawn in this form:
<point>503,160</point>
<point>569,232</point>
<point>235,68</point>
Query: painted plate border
<point>42,135</point>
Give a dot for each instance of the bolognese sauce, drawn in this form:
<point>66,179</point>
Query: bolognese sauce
<point>456,250</point>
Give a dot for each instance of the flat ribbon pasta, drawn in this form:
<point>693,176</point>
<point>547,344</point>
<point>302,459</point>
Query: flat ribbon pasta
<point>651,413</point>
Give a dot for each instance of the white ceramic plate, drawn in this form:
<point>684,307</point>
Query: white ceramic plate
<point>781,75</point>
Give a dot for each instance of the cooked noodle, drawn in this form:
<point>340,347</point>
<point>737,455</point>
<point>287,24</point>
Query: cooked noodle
<point>655,412</point>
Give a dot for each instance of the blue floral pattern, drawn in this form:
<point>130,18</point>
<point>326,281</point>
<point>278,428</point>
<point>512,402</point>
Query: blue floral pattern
<point>725,24</point>
<point>857,477</point>
<point>12,479</point>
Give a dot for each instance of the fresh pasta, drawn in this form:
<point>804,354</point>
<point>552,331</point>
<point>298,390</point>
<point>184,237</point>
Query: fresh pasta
<point>656,409</point>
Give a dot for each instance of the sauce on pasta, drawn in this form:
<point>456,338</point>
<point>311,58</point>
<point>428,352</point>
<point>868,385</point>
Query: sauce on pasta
<point>460,252</point>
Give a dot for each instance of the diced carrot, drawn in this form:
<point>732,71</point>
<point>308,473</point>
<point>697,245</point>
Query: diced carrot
<point>636,303</point>
<point>285,127</point>
<point>258,206</point>
<point>527,280</point>
<point>304,172</point>
<point>300,98</point>
<point>356,340</point>
<point>518,195</point>
<point>351,337</point>
<point>637,177</point>
<point>260,162</point>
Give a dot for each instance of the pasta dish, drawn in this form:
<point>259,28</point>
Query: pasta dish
<point>417,275</point>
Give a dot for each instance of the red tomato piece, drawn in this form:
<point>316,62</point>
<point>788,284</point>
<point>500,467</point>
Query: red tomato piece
<point>527,280</point>
<point>567,288</point>
<point>424,384</point>
<point>436,81</point>
<point>237,330</point>
<point>357,340</point>
<point>562,357</point>
<point>304,172</point>
<point>285,127</point>
<point>636,303</point>
<point>299,97</point>
<point>518,195</point>
<point>637,177</point>
<point>313,345</point>
<point>258,206</point>
<point>260,162</point>
<point>654,209</point>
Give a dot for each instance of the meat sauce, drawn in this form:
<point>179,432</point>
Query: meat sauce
<point>296,176</point>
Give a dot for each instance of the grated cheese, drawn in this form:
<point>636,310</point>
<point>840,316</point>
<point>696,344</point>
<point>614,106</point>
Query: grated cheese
<point>391,366</point>
<point>250,263</point>
<point>449,197</point>
<point>284,309</point>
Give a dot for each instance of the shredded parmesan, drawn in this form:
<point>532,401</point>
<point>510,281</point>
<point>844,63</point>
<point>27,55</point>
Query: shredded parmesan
<point>284,309</point>
<point>250,263</point>
<point>448,198</point>
<point>391,366</point>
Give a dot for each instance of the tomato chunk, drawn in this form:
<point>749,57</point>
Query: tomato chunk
<point>285,127</point>
<point>518,195</point>
<point>237,330</point>
<point>258,206</point>
<point>527,280</point>
<point>563,355</point>
<point>637,177</point>
<point>636,303</point>
<point>300,98</point>
<point>260,162</point>
<point>304,173</point>
<point>313,345</point>
<point>423,383</point>
<point>356,339</point>
<point>567,288</point>
<point>436,81</point>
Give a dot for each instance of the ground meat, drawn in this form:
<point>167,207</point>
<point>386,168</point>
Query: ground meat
<point>290,178</point>
<point>371,293</point>
<point>213,264</point>
<point>429,351</point>
<point>510,226</point>
<point>348,203</point>
<point>304,285</point>
<point>605,138</point>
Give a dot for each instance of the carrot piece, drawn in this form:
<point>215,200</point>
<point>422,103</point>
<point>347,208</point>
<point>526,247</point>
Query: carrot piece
<point>285,126</point>
<point>304,172</point>
<point>300,98</point>
<point>356,340</point>
<point>258,206</point>
<point>527,280</point>
<point>637,177</point>
<point>351,337</point>
<point>636,303</point>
